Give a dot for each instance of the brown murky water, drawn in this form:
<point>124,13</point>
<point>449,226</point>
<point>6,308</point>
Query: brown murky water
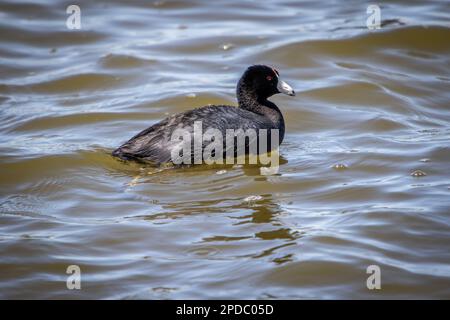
<point>372,108</point>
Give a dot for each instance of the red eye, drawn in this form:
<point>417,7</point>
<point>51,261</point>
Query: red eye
<point>269,78</point>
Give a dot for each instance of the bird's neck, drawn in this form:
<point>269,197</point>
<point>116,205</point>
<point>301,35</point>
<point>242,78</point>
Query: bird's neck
<point>250,101</point>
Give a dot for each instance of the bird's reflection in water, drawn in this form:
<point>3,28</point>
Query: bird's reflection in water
<point>275,232</point>
<point>262,216</point>
<point>259,214</point>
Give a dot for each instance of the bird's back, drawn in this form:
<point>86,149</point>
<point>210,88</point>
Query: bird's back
<point>155,143</point>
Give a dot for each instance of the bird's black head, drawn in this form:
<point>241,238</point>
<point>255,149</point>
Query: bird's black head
<point>263,81</point>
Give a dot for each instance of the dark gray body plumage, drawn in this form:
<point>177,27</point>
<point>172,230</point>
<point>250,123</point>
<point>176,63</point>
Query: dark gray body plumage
<point>154,143</point>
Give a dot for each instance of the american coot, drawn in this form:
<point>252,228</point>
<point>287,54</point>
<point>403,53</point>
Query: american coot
<point>155,144</point>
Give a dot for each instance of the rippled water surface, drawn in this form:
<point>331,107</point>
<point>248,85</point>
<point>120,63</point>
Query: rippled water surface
<point>372,108</point>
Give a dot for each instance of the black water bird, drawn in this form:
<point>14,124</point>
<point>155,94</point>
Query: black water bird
<point>257,84</point>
